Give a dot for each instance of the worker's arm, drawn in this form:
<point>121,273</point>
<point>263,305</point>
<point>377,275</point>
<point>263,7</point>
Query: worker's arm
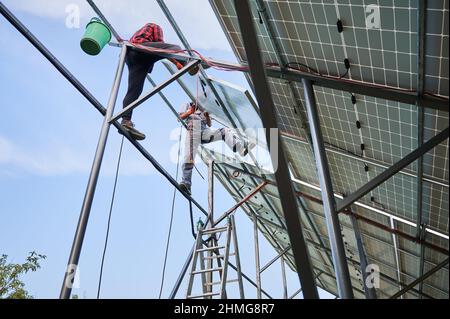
<point>186,114</point>
<point>208,119</point>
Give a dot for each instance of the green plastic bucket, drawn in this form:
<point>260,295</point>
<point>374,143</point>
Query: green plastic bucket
<point>96,36</point>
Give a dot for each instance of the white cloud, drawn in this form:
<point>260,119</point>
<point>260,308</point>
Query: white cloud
<point>195,17</point>
<point>57,159</point>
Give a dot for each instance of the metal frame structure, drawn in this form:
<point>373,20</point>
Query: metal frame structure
<point>291,201</point>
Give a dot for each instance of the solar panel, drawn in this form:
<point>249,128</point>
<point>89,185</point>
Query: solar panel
<point>361,131</point>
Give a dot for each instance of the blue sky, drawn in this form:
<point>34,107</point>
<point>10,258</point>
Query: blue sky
<point>48,139</point>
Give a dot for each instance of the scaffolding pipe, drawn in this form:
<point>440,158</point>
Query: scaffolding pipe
<point>329,206</point>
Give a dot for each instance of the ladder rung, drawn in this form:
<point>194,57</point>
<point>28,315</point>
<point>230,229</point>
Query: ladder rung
<point>210,294</point>
<point>218,256</point>
<point>207,270</point>
<point>210,248</point>
<point>219,282</point>
<point>214,230</point>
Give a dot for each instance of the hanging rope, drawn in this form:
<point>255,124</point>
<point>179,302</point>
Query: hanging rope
<point>109,218</point>
<point>171,218</point>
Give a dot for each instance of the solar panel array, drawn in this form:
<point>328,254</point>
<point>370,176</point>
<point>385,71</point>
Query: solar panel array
<point>383,54</point>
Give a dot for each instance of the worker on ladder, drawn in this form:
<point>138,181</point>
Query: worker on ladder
<point>199,132</point>
<point>140,64</point>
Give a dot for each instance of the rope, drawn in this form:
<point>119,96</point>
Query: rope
<point>109,218</point>
<point>171,219</point>
<point>289,66</point>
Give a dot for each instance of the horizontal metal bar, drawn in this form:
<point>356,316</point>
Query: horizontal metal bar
<point>214,230</point>
<point>155,90</point>
<point>219,282</point>
<point>209,294</point>
<point>420,279</point>
<point>210,248</point>
<point>207,270</point>
<point>391,171</point>
<point>366,89</point>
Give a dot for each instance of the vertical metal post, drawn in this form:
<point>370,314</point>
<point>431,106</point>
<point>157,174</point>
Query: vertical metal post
<point>283,275</point>
<point>92,184</point>
<point>282,176</point>
<point>211,192</point>
<point>329,206</point>
<point>423,235</point>
<point>257,261</point>
<point>370,293</point>
<point>237,257</point>
<point>209,275</point>
<point>396,252</point>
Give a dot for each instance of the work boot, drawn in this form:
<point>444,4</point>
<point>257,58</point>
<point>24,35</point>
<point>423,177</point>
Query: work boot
<point>134,133</point>
<point>185,188</point>
<point>247,148</point>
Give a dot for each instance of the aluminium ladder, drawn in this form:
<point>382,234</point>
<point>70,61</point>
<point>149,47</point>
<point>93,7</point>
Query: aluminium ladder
<point>219,254</point>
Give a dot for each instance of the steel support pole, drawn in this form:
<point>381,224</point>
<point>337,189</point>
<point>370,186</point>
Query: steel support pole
<point>420,234</point>
<point>422,238</point>
<point>420,279</point>
<point>183,271</point>
<point>370,293</point>
<point>238,258</point>
<point>268,116</point>
<point>283,277</point>
<point>257,259</point>
<point>92,184</point>
<point>211,192</point>
<point>336,243</point>
<point>213,242</point>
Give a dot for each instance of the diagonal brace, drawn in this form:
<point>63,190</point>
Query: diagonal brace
<point>420,279</point>
<point>155,90</point>
<point>391,171</point>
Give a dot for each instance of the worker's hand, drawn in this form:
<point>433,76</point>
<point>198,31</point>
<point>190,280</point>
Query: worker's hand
<point>208,119</point>
<point>191,109</point>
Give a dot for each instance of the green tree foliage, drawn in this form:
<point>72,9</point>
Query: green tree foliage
<point>11,285</point>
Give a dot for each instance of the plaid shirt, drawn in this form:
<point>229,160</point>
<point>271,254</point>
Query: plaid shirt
<point>151,32</point>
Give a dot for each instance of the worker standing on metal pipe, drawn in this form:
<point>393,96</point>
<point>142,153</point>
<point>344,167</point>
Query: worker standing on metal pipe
<point>140,64</point>
<point>199,132</point>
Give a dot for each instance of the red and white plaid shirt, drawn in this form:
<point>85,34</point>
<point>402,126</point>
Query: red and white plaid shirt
<point>151,32</point>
